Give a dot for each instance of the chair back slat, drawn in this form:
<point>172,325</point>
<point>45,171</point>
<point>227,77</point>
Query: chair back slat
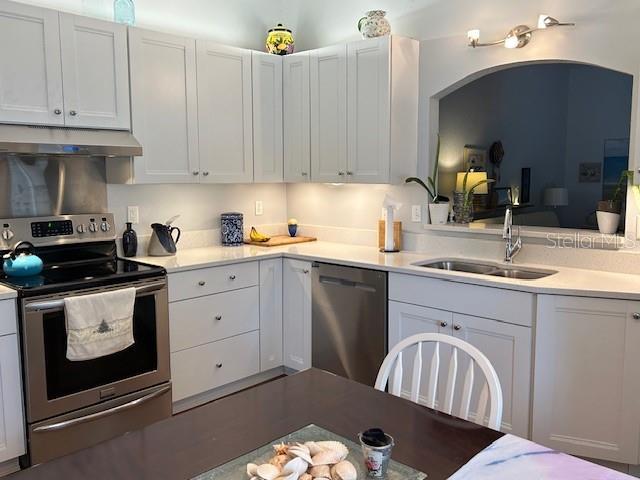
<point>451,382</point>
<point>396,385</point>
<point>417,374</point>
<point>467,389</point>
<point>391,374</point>
<point>433,377</point>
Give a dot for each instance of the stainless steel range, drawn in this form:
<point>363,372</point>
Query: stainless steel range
<point>75,404</point>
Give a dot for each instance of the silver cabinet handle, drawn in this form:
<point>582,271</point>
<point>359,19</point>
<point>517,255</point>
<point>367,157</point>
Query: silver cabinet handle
<point>202,283</point>
<point>73,113</point>
<point>443,324</point>
<point>218,365</point>
<point>105,413</point>
<point>636,316</point>
<point>57,111</point>
<point>305,271</point>
<point>341,173</point>
<point>304,174</point>
<point>349,173</point>
<point>195,173</point>
<point>206,174</point>
<point>457,327</point>
<point>232,277</point>
<point>218,317</point>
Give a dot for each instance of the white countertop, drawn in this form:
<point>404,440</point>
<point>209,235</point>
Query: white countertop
<point>567,281</point>
<point>7,293</point>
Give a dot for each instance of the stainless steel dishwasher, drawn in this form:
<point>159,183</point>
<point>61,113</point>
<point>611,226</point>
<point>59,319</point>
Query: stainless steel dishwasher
<point>349,321</point>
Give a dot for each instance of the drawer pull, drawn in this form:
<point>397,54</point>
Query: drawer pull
<point>202,283</point>
<point>218,317</point>
<point>636,316</point>
<point>457,327</point>
<point>443,324</point>
<point>232,277</point>
<point>218,365</point>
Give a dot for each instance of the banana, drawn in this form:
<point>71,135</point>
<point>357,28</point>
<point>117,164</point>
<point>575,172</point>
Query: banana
<point>258,237</point>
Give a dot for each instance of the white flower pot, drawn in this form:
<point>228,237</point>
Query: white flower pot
<point>608,222</point>
<point>439,213</point>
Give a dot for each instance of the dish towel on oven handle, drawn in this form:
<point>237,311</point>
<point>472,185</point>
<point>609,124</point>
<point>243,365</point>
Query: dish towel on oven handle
<point>99,324</point>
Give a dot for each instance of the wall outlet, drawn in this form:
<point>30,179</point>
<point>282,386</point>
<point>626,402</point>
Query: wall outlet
<point>259,209</point>
<point>133,214</point>
<point>416,213</point>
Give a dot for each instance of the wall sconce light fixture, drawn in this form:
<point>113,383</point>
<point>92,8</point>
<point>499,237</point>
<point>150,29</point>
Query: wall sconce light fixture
<point>518,36</point>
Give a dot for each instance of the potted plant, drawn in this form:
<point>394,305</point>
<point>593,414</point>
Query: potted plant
<point>463,200</point>
<point>439,204</point>
<point>608,211</point>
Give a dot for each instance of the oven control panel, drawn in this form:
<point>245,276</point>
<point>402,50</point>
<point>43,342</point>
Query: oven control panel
<point>59,230</point>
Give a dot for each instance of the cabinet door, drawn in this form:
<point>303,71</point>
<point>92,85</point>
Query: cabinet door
<point>96,72</point>
<point>270,314</point>
<point>12,440</point>
<point>297,107</point>
<point>225,113</point>
<point>586,384</point>
<point>328,84</point>
<point>266,71</point>
<point>31,74</point>
<point>164,106</point>
<point>368,111</point>
<point>406,320</point>
<point>508,348</point>
<point>297,314</point>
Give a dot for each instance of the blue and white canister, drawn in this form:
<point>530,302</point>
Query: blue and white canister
<point>232,229</point>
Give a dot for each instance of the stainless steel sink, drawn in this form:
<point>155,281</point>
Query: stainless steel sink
<point>494,270</point>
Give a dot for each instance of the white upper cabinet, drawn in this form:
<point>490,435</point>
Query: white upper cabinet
<point>31,74</point>
<point>96,73</point>
<point>296,104</point>
<point>328,84</point>
<point>267,117</point>
<point>225,113</point>
<point>164,107</point>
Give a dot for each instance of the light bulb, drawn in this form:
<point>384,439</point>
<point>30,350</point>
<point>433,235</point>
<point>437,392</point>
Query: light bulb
<point>542,20</point>
<point>511,41</point>
<point>473,35</point>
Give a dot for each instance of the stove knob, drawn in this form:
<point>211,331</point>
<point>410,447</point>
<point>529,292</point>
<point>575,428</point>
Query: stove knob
<point>7,234</point>
<point>82,228</point>
<point>105,227</point>
<point>93,227</point>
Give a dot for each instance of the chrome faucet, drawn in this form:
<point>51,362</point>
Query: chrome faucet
<point>511,248</point>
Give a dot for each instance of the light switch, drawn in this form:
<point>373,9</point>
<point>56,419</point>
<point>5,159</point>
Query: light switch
<point>416,213</point>
<point>133,214</point>
<point>259,210</point>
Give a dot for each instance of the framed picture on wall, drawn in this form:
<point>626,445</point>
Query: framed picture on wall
<point>474,158</point>
<point>589,172</point>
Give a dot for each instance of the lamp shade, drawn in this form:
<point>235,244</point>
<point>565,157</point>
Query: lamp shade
<point>556,197</point>
<point>472,179</point>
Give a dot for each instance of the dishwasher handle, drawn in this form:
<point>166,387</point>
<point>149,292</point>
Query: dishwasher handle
<point>341,282</point>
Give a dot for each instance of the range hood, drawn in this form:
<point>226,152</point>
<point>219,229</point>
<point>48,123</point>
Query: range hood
<point>40,140</point>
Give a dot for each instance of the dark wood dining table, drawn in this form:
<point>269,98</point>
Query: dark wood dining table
<point>198,440</point>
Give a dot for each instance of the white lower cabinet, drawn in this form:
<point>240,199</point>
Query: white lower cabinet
<point>508,346</point>
<point>270,314</point>
<point>296,320</point>
<point>12,436</point>
<point>586,384</point>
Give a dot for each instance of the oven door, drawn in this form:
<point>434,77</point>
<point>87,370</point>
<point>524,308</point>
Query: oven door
<point>55,385</point>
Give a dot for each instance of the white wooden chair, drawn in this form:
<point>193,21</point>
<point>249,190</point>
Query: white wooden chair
<point>392,366</point>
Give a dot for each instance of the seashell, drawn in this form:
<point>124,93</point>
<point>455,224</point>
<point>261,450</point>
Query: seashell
<point>338,447</point>
<point>288,476</point>
<point>279,460</point>
<point>300,452</point>
<point>281,449</point>
<point>267,471</point>
<point>344,470</point>
<point>320,471</point>
<point>252,469</point>
<point>313,447</point>
<point>296,465</point>
<point>305,476</point>
<point>326,457</point>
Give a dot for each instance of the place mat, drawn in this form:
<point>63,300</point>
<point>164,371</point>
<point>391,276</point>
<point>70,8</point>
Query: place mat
<point>280,240</point>
<point>514,457</point>
<point>237,469</point>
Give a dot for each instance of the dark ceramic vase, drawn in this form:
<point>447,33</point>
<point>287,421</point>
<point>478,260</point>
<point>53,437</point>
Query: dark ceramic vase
<point>129,242</point>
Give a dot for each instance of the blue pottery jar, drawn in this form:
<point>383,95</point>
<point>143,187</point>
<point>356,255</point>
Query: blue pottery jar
<point>231,227</point>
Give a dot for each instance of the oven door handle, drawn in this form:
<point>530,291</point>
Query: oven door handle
<point>105,413</point>
<point>51,304</point>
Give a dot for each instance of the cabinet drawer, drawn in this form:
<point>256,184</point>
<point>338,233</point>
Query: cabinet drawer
<point>7,317</point>
<point>206,319</point>
<point>205,281</point>
<point>509,306</point>
<point>213,365</point>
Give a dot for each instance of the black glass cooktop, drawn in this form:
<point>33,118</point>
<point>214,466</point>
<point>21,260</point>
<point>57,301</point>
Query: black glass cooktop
<point>66,270</point>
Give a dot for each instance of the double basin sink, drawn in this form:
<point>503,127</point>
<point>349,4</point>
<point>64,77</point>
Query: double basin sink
<point>493,270</point>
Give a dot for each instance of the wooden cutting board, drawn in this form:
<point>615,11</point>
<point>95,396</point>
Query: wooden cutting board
<point>280,240</point>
